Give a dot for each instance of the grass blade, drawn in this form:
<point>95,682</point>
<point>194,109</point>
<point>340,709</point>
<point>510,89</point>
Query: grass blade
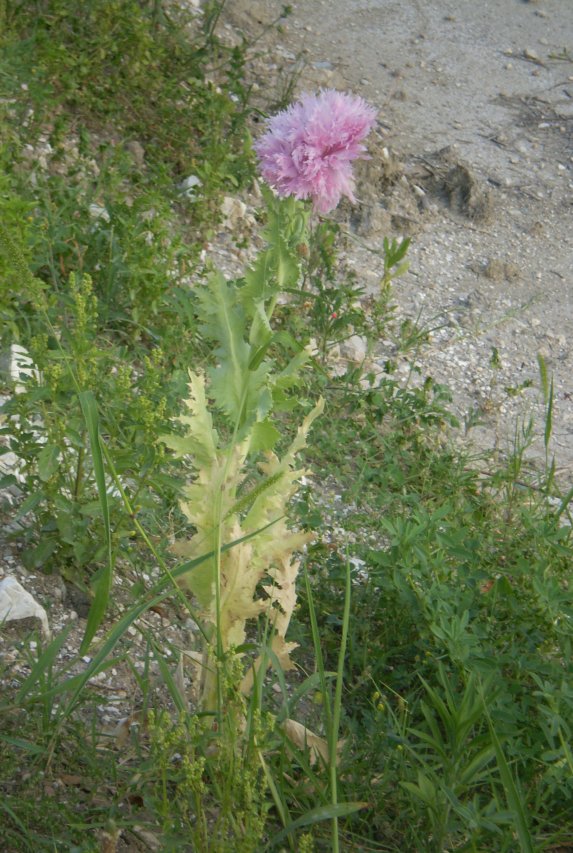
<point>317,815</point>
<point>280,805</point>
<point>318,651</point>
<point>549,417</point>
<point>103,585</point>
<point>44,662</point>
<point>337,704</point>
<point>179,699</point>
<point>513,797</point>
<point>543,377</point>
<point>16,820</point>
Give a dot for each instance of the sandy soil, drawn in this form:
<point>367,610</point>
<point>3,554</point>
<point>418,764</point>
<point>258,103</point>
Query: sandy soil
<point>473,157</point>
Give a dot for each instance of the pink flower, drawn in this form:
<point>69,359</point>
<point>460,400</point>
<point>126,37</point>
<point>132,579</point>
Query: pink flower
<point>308,149</point>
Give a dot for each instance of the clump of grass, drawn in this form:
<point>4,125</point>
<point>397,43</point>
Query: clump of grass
<point>461,610</point>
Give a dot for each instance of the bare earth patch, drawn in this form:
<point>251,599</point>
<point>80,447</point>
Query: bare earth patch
<point>473,157</point>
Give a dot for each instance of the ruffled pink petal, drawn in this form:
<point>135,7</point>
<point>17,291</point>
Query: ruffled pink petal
<point>308,149</point>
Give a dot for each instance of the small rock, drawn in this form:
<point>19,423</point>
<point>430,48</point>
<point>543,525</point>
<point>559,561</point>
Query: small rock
<point>234,212</point>
<point>17,604</point>
<point>79,599</point>
<point>98,212</point>
<point>137,152</point>
<point>189,185</point>
<point>355,348</point>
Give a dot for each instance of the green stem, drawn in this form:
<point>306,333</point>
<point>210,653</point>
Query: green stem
<point>79,471</point>
<point>337,708</point>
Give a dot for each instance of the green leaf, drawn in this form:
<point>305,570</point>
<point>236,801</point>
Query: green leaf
<point>278,267</point>
<point>258,280</point>
<point>236,388</point>
<point>471,773</point>
<point>7,481</point>
<point>179,700</point>
<point>319,814</point>
<point>48,462</point>
<point>512,794</point>
<point>31,748</point>
<point>102,586</point>
<point>36,557</point>
<point>549,416</point>
<point>259,353</point>
<point>264,436</point>
<point>45,661</point>
<point>400,270</point>
<point>543,376</point>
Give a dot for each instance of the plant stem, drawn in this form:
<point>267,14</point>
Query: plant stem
<point>337,707</point>
<point>79,471</point>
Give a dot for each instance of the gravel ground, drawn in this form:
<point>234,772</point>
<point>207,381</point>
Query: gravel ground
<point>473,158</point>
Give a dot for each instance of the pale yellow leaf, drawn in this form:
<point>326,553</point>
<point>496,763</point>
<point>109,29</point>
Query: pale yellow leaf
<point>304,738</point>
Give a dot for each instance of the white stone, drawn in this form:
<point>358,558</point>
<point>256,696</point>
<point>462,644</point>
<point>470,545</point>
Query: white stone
<point>16,603</point>
<point>189,185</point>
<point>98,212</point>
<point>235,212</point>
<point>16,361</point>
<point>355,348</point>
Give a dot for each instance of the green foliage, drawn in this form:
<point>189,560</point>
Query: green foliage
<point>239,387</point>
<point>277,268</point>
<point>20,292</point>
<point>465,590</point>
<point>139,69</point>
<point>394,263</point>
<point>188,762</point>
<point>129,246</point>
<point>332,305</point>
<point>46,429</point>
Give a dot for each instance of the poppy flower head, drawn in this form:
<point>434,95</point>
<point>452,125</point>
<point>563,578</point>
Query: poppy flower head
<point>308,149</point>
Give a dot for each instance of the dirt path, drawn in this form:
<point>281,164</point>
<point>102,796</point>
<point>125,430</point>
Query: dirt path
<point>474,159</point>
